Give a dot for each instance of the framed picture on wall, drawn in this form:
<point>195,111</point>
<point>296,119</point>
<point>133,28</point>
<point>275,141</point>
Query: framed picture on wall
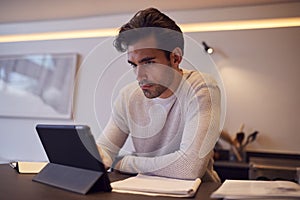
<point>37,85</point>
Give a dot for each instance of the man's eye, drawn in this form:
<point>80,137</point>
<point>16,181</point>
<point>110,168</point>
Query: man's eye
<point>149,62</point>
<point>133,65</point>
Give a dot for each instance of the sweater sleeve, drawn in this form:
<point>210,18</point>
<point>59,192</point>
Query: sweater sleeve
<point>110,142</point>
<point>200,134</point>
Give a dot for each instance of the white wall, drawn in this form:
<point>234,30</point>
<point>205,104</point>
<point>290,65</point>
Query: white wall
<point>259,68</point>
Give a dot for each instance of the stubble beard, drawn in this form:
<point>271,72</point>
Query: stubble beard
<point>156,92</point>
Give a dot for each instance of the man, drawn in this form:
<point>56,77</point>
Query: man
<point>171,114</point>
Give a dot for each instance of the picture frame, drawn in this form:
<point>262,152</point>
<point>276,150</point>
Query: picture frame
<point>37,85</point>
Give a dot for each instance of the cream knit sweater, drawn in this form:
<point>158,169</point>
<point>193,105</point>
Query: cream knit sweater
<point>172,137</point>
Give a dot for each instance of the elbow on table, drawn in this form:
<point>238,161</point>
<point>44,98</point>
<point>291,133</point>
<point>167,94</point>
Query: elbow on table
<point>183,170</point>
<point>194,171</point>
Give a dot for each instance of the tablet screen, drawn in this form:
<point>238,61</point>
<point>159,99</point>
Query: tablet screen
<point>71,145</point>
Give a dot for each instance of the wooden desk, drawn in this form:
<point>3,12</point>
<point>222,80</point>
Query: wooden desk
<point>20,186</point>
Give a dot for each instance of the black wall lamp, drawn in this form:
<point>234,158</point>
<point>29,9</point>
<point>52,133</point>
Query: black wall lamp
<point>207,48</point>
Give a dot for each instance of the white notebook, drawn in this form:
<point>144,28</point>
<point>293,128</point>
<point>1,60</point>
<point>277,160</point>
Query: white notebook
<point>157,186</point>
<point>252,189</point>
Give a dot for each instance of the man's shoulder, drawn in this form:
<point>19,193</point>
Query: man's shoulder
<point>129,88</point>
<point>197,78</point>
<point>131,91</point>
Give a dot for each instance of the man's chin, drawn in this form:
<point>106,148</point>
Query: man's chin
<point>148,94</point>
<point>153,91</point>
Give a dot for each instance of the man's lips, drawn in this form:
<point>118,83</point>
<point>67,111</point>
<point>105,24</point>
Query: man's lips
<point>146,86</point>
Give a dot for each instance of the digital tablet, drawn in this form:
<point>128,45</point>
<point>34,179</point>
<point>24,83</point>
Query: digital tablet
<point>74,160</point>
<point>70,145</point>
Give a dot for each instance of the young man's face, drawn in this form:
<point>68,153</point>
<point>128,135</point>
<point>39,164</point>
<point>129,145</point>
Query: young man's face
<point>153,70</point>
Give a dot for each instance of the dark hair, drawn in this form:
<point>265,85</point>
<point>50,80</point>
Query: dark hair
<point>150,22</point>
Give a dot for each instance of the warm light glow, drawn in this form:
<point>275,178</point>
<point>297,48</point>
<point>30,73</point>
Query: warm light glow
<point>210,50</point>
<point>95,33</point>
<point>194,27</point>
<point>241,25</point>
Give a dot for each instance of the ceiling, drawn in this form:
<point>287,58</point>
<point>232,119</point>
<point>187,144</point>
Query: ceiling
<point>36,10</point>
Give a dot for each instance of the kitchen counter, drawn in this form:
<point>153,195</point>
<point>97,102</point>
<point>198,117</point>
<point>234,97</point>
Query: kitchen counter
<point>273,168</point>
<point>232,170</point>
<point>260,165</point>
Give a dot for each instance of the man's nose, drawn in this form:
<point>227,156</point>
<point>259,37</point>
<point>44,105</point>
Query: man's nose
<point>140,73</point>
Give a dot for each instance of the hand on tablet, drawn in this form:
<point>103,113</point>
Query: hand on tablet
<point>105,160</point>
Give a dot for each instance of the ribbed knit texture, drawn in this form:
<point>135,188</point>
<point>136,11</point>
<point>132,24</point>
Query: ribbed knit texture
<point>172,137</point>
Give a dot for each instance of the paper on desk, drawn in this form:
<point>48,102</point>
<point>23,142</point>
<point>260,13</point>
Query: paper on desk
<point>157,186</point>
<point>251,189</point>
<point>30,167</point>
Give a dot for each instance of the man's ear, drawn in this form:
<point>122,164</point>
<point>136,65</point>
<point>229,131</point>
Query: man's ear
<point>176,56</point>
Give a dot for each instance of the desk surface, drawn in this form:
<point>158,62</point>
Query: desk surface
<point>21,186</point>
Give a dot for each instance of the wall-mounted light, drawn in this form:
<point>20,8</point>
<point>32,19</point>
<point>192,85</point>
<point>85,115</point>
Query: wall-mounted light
<point>207,48</point>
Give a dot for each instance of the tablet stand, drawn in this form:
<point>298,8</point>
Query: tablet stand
<point>73,179</point>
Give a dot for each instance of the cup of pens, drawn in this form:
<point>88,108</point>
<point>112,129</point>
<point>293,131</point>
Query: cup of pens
<point>237,151</point>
